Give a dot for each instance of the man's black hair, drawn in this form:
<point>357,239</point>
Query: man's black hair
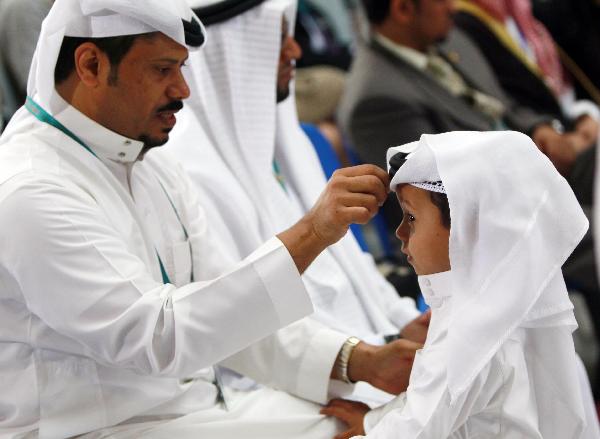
<point>115,49</point>
<point>378,10</point>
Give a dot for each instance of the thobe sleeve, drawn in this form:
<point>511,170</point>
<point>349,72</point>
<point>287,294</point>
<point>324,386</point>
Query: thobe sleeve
<point>425,410</point>
<point>78,276</point>
<point>297,359</point>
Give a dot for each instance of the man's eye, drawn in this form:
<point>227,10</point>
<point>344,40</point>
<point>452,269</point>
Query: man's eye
<point>163,70</point>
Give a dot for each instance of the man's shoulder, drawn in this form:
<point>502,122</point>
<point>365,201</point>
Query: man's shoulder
<point>377,77</point>
<point>28,157</point>
<point>375,70</point>
<point>27,153</point>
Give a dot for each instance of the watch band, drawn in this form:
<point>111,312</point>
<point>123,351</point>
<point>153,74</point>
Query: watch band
<point>344,358</point>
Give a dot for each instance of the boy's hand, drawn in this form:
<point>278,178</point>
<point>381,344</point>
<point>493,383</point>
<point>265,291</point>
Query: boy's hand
<point>416,330</point>
<point>351,413</point>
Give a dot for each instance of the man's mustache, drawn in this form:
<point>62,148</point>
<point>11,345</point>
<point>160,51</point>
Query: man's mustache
<point>171,106</point>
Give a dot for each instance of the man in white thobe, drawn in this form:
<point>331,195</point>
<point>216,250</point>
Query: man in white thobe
<point>115,302</point>
<point>258,172</point>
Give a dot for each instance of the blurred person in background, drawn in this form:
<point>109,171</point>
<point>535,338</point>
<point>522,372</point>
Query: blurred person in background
<point>20,23</point>
<point>574,25</point>
<point>525,60</point>
<point>321,71</point>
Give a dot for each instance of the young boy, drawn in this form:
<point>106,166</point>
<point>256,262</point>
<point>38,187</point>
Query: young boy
<point>487,223</point>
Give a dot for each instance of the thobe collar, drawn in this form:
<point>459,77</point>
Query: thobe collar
<point>106,144</point>
<point>436,288</point>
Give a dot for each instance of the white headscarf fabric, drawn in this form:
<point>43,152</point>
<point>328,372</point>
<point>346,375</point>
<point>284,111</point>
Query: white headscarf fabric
<point>98,19</point>
<point>514,221</point>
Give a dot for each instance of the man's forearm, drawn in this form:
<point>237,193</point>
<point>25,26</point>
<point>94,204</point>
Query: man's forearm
<point>303,244</point>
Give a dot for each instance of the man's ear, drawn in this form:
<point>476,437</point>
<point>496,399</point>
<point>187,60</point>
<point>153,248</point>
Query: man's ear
<point>91,64</point>
<point>402,11</point>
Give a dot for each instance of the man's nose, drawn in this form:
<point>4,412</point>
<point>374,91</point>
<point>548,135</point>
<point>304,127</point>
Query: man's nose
<point>179,89</point>
<point>291,49</point>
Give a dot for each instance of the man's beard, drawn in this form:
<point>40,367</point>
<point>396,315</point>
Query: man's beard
<point>152,142</point>
<point>282,94</point>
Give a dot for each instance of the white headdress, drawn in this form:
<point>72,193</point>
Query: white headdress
<point>104,18</point>
<point>515,221</point>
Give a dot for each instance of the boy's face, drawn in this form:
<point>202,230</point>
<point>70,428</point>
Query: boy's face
<point>424,238</point>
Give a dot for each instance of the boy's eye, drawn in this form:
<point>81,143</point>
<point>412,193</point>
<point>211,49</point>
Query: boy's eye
<point>410,218</point>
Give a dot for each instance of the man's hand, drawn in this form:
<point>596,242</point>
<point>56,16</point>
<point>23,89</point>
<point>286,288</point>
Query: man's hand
<point>563,153</point>
<point>386,367</point>
<point>544,136</point>
<point>587,128</point>
<point>561,149</point>
<point>351,413</point>
<point>417,329</point>
<point>352,195</point>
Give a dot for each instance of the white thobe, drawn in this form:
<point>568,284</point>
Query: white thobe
<point>91,336</point>
<point>499,403</point>
<point>349,293</point>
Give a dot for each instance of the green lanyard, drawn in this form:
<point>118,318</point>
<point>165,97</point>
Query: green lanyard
<point>279,175</point>
<point>43,116</point>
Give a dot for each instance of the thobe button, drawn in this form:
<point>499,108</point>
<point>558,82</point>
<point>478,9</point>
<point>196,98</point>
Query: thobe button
<point>128,142</point>
<point>122,154</point>
<point>427,282</point>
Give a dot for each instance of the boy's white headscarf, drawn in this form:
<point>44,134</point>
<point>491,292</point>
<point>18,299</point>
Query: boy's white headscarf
<point>514,222</point>
<point>99,19</point>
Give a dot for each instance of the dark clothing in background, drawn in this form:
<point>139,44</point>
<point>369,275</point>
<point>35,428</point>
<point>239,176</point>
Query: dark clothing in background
<point>389,102</point>
<point>317,38</point>
<point>575,26</point>
<point>521,83</point>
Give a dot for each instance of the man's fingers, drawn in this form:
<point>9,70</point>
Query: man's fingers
<point>366,169</point>
<point>336,402</point>
<point>345,435</point>
<point>357,215</point>
<point>337,412</point>
<point>367,201</point>
<point>367,184</point>
<point>408,348</point>
<point>425,318</point>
